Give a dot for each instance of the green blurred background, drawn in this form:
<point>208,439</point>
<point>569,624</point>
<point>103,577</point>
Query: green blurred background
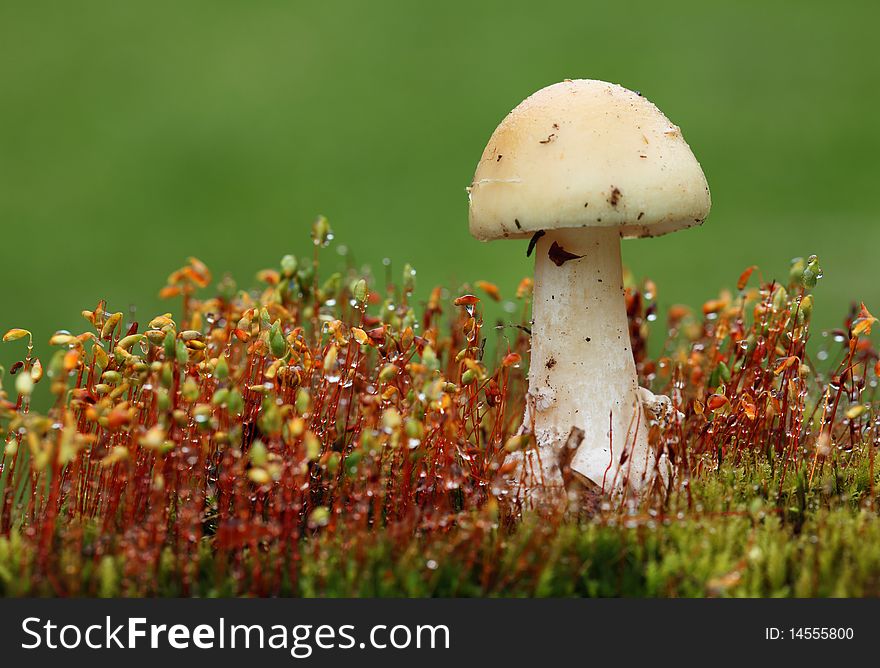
<point>134,134</point>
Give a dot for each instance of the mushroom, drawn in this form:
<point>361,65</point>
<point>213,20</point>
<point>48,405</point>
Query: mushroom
<point>577,167</point>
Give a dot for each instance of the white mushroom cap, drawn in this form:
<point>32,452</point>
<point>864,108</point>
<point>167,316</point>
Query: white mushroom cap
<point>586,153</point>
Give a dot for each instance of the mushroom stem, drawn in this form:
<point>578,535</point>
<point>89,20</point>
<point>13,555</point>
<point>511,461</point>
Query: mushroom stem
<point>582,373</point>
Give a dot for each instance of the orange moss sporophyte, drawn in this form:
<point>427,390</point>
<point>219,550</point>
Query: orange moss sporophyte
<point>326,435</point>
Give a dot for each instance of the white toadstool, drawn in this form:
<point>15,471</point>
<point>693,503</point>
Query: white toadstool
<point>576,167</point>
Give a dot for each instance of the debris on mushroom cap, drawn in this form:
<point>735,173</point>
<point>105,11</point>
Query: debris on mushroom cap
<point>586,153</point>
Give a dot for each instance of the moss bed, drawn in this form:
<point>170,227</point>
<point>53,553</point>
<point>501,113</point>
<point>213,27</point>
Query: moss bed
<point>324,434</point>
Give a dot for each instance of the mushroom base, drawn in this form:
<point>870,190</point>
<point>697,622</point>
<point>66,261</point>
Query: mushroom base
<point>582,373</point>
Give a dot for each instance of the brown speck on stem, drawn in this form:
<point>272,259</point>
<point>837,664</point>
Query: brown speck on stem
<point>550,138</point>
<point>551,363</point>
<point>560,256</point>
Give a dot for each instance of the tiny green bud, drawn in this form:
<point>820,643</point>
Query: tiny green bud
<point>321,232</point>
<point>112,377</point>
<point>221,369</point>
<point>235,402</point>
<point>24,384</point>
<point>220,397</point>
<point>169,344</point>
<point>313,446</point>
<point>289,265</point>
<point>258,454</point>
<point>190,389</point>
<point>359,290</point>
<point>277,342</point>
<point>780,298</point>
<point>167,377</point>
<point>127,342</point>
<point>333,462</point>
<point>319,517</point>
<point>163,399</point>
<point>812,272</point>
<point>429,358</point>
<point>302,401</point>
<point>414,428</point>
<point>391,419</point>
<point>796,270</point>
<point>409,278</point>
<point>259,475</point>
<point>806,309</point>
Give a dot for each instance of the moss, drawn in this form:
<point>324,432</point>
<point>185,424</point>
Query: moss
<point>324,437</point>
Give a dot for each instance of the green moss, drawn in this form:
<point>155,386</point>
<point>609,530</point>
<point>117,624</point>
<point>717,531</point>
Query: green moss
<point>327,441</point>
